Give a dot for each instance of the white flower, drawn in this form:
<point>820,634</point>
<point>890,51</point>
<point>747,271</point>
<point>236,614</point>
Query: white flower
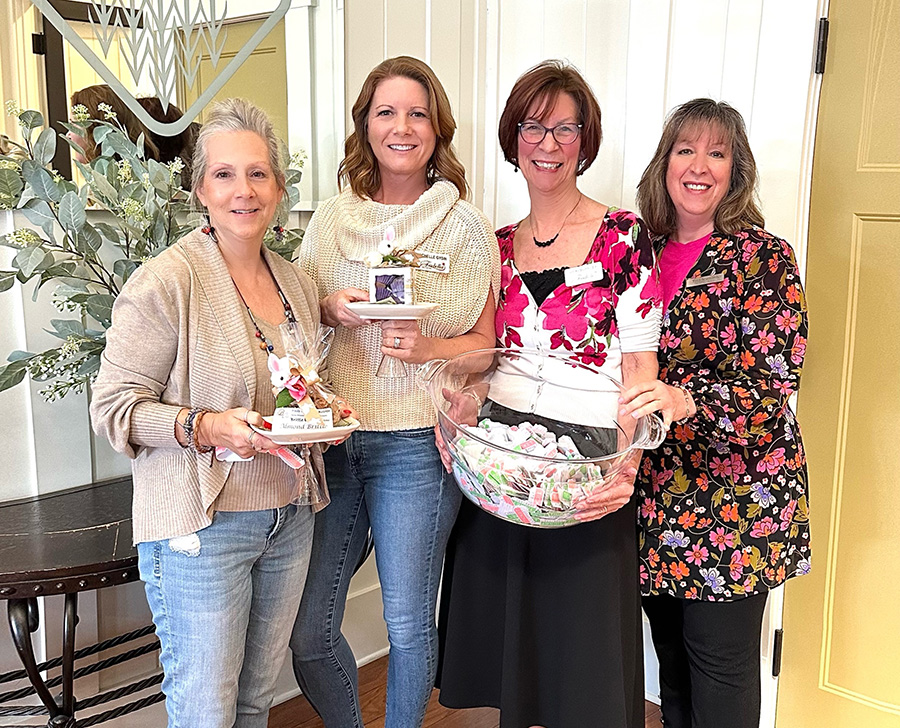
<point>8,164</point>
<point>23,238</point>
<point>124,171</point>
<point>372,259</point>
<point>297,160</point>
<point>12,108</point>
<point>107,111</point>
<point>80,113</point>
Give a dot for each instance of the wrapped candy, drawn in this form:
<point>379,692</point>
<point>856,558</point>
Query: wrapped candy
<point>525,490</point>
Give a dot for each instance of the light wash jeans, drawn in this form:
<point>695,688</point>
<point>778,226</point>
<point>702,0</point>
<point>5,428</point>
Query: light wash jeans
<point>223,602</point>
<point>395,483</point>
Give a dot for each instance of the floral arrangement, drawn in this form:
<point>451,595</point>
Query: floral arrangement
<point>88,261</point>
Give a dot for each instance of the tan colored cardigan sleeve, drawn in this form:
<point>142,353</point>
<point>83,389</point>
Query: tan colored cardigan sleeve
<point>141,346</point>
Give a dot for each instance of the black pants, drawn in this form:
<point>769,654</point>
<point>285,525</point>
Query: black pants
<point>708,660</point>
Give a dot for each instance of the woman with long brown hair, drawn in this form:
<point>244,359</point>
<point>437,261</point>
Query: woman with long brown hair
<point>399,171</point>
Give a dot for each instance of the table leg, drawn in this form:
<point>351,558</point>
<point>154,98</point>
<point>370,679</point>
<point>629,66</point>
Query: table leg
<point>23,621</point>
<point>68,654</point>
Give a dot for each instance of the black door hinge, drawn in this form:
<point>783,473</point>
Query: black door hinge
<point>822,45</point>
<point>776,652</point>
<point>39,44</point>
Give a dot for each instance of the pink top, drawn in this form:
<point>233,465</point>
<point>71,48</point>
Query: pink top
<point>675,263</point>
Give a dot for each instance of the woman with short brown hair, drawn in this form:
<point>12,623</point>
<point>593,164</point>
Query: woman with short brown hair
<point>546,624</point>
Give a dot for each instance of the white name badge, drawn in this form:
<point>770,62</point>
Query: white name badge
<point>587,273</point>
<point>705,280</point>
<point>434,262</point>
<point>295,419</point>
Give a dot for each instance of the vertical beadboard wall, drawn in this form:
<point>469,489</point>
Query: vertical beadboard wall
<point>642,58</point>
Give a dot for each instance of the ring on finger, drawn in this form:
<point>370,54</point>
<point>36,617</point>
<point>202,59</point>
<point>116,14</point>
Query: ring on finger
<point>250,437</point>
<point>246,415</point>
<point>396,342</point>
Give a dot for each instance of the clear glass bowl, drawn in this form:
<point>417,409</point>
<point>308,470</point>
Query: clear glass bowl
<point>530,432</point>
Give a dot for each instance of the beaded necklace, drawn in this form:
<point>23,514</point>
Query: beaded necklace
<point>263,342</point>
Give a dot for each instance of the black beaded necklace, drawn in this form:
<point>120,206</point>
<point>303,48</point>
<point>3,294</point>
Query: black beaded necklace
<point>262,342</point>
<point>550,241</point>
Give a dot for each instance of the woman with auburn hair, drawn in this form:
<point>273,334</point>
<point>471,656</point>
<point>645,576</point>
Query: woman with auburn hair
<point>402,173</point>
<point>723,506</point>
<point>91,98</point>
<point>546,624</point>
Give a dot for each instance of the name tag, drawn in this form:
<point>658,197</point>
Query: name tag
<point>434,262</point>
<point>586,273</point>
<point>705,280</point>
<point>296,419</point>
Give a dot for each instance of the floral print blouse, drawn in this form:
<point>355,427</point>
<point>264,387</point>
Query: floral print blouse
<point>723,501</point>
<point>597,320</point>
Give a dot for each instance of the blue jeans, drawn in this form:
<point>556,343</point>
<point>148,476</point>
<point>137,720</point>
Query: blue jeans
<point>394,483</point>
<point>223,602</point>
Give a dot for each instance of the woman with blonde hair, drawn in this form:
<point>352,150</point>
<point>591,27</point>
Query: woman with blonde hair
<point>223,546</point>
<point>399,171</point>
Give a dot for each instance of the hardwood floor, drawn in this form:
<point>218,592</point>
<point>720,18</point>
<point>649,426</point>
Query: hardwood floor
<point>298,713</point>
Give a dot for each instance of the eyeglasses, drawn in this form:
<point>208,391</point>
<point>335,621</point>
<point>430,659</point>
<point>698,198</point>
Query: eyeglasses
<point>534,133</point>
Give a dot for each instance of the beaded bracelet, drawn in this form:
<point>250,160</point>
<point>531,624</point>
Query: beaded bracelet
<point>687,401</point>
<point>188,426</point>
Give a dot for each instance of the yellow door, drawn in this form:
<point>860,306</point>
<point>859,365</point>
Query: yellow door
<point>262,77</point>
<point>841,660</point>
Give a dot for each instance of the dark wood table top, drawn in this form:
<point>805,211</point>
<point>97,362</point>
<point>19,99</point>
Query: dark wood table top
<point>69,541</point>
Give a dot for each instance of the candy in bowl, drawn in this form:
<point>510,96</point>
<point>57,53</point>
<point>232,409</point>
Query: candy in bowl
<point>530,432</point>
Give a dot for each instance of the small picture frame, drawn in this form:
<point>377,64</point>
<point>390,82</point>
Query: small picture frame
<point>390,285</point>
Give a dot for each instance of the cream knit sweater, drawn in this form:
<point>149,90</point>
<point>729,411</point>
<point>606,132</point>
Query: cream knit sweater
<point>337,239</point>
<point>179,338</point>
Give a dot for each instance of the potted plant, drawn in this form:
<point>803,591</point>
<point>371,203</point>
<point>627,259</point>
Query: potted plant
<point>138,208</point>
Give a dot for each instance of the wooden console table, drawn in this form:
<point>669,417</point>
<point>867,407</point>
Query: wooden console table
<point>65,543</point>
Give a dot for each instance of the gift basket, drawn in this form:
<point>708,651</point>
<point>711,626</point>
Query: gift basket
<point>529,432</point>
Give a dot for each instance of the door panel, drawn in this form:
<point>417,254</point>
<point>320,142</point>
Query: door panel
<point>842,642</point>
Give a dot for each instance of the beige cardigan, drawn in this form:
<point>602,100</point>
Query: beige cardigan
<point>179,339</point>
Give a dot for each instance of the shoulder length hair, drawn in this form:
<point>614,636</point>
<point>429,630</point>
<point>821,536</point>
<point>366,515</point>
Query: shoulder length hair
<point>740,206</point>
<point>236,115</point>
<point>91,97</point>
<point>359,167</point>
<point>540,87</point>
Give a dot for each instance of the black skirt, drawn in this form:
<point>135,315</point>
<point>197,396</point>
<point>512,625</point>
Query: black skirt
<point>543,624</point>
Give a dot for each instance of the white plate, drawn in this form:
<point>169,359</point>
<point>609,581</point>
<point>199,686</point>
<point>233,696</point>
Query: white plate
<point>327,434</point>
<point>388,311</point>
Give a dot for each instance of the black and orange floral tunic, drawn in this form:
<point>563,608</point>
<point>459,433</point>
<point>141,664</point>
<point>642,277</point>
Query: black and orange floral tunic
<point>723,501</point>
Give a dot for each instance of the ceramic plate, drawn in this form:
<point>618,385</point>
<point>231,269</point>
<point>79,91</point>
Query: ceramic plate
<point>328,434</point>
<point>387,311</point>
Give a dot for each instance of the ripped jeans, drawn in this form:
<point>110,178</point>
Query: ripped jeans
<point>223,602</point>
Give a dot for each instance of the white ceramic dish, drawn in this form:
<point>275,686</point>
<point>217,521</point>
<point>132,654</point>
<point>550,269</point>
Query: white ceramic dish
<point>328,434</point>
<point>388,311</point>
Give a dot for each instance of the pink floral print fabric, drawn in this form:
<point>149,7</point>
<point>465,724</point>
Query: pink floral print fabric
<point>722,504</point>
